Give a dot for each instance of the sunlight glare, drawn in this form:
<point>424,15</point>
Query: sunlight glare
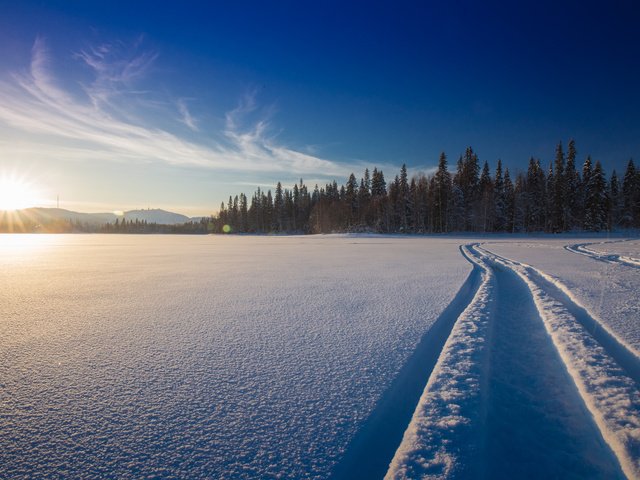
<point>16,194</point>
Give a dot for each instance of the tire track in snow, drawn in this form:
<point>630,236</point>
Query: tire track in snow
<point>496,406</point>
<point>444,437</point>
<point>370,452</point>
<point>595,360</point>
<point>581,249</point>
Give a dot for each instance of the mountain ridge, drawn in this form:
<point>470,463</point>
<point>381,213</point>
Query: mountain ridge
<point>152,215</point>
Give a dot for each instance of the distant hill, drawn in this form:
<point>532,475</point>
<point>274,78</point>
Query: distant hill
<point>48,215</point>
<point>156,215</point>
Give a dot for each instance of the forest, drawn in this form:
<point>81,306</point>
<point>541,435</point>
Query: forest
<point>560,198</point>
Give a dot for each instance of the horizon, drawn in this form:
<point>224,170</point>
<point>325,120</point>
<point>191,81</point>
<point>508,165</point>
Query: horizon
<point>110,108</point>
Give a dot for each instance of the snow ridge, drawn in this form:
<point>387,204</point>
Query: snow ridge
<point>609,393</point>
<point>444,434</point>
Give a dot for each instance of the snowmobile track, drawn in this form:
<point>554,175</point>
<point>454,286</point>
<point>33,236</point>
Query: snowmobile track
<point>581,249</point>
<point>523,388</point>
<point>603,368</point>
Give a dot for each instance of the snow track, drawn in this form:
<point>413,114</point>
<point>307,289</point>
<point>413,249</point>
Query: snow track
<point>444,437</point>
<point>528,385</point>
<point>602,368</point>
<point>582,249</point>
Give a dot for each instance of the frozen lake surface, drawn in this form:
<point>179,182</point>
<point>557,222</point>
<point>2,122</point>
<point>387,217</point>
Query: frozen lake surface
<point>235,357</point>
<point>337,356</point>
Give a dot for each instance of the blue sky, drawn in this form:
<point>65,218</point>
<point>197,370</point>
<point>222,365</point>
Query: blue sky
<point>121,105</point>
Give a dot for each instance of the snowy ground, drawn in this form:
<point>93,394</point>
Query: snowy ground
<point>530,383</point>
<point>608,289</point>
<point>322,356</point>
<point>234,357</point>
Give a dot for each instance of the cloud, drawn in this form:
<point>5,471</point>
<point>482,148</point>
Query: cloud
<point>186,117</point>
<point>60,124</point>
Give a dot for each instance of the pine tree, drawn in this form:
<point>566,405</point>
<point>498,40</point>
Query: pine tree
<point>571,194</point>
<point>535,199</point>
<point>486,198</point>
<point>278,209</point>
<point>631,196</point>
<point>467,179</point>
<point>616,202</point>
<point>596,201</point>
<point>520,205</point>
<point>584,191</point>
<point>441,196</point>
<point>558,191</point>
<point>499,200</point>
<point>509,202</point>
<point>402,204</point>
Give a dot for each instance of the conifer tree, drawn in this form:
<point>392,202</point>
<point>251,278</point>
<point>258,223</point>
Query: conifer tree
<point>586,185</point>
<point>596,201</point>
<point>509,202</point>
<point>499,200</point>
<point>572,189</point>
<point>558,191</point>
<point>616,203</point>
<point>486,198</point>
<point>441,196</point>
<point>631,196</point>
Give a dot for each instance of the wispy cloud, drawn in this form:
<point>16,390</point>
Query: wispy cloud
<point>92,129</point>
<point>186,116</point>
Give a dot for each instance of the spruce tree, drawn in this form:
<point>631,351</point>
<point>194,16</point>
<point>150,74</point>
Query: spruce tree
<point>571,189</point>
<point>486,198</point>
<point>499,200</point>
<point>631,196</point>
<point>441,196</point>
<point>558,192</point>
<point>616,203</point>
<point>509,202</point>
<point>584,191</point>
<point>596,201</point>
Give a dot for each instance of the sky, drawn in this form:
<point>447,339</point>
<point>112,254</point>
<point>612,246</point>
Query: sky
<point>123,105</point>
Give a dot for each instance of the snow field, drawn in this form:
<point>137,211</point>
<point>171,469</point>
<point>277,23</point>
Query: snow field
<point>205,357</point>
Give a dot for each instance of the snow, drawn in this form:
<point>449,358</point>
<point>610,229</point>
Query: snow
<point>234,357</point>
<point>607,384</point>
<point>309,357</point>
<point>521,389</point>
<point>443,436</point>
<point>608,290</point>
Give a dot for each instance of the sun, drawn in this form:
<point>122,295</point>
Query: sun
<point>16,194</point>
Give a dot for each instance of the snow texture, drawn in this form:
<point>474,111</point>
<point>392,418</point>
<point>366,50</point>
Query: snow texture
<point>442,437</point>
<point>208,356</point>
<point>608,290</point>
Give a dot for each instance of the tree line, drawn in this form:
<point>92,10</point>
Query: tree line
<point>560,198</point>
